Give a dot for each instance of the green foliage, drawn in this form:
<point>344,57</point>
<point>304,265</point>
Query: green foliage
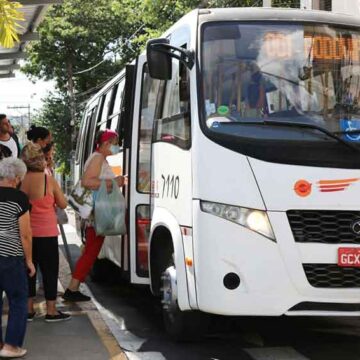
<point>55,116</point>
<point>77,35</point>
<point>233,3</point>
<point>286,3</point>
<point>159,15</point>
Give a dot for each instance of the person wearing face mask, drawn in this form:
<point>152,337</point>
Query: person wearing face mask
<point>44,194</point>
<point>96,169</point>
<point>41,136</point>
<point>15,255</point>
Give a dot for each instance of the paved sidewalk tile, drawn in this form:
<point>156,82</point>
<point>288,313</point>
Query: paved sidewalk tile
<point>73,339</point>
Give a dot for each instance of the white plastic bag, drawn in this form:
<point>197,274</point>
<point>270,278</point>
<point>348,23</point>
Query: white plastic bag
<point>81,200</point>
<point>109,211</point>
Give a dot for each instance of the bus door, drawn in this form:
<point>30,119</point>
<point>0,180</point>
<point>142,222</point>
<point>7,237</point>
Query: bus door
<point>139,205</point>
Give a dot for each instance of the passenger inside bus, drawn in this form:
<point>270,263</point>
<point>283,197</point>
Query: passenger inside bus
<point>280,72</point>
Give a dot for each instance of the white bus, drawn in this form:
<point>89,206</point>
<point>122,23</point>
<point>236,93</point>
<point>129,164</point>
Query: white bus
<point>241,131</point>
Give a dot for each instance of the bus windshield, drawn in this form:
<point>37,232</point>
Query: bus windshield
<point>283,72</point>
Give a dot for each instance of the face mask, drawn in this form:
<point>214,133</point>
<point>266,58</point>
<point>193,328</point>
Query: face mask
<point>115,149</point>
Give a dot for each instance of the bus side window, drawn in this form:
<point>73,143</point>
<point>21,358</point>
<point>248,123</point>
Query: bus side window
<point>151,103</point>
<point>174,125</point>
<point>102,119</point>
<point>113,123</point>
<point>81,136</point>
<point>115,120</point>
<point>86,138</point>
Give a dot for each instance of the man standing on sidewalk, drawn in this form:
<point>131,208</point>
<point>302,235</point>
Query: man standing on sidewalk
<point>5,136</point>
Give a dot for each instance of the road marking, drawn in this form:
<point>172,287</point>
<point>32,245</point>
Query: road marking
<point>275,353</point>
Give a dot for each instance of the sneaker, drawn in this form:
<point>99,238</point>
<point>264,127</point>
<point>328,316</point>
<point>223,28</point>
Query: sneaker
<point>9,354</point>
<point>31,316</point>
<point>75,296</point>
<point>56,318</point>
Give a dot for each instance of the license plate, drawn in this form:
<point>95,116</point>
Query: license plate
<point>349,257</point>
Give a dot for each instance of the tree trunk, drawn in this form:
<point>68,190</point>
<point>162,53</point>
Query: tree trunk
<point>70,88</point>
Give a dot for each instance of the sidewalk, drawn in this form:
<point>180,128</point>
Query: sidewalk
<point>85,336</point>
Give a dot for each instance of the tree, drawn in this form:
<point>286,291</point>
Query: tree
<point>232,3</point>
<point>9,23</point>
<point>157,15</point>
<point>75,36</point>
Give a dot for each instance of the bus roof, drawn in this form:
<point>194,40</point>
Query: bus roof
<point>277,14</point>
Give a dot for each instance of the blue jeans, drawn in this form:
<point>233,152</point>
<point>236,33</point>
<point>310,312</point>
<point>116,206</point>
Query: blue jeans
<point>13,280</point>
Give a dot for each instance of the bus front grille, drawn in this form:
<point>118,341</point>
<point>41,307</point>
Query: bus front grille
<point>332,276</point>
<point>324,226</point>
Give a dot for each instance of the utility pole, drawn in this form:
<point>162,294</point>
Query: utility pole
<point>22,107</point>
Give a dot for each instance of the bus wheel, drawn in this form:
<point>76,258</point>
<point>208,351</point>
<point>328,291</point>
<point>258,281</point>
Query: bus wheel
<point>180,325</point>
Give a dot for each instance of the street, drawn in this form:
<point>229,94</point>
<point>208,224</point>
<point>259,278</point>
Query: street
<point>134,318</point>
<point>141,335</point>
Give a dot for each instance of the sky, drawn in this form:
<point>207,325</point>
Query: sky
<point>20,91</point>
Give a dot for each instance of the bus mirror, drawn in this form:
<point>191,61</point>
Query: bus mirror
<point>159,59</point>
<point>159,53</point>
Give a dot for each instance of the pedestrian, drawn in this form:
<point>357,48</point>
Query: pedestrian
<point>49,151</point>
<point>44,194</point>
<point>5,136</point>
<point>42,136</point>
<point>15,137</point>
<point>15,246</point>
<point>4,152</point>
<point>96,169</point>
<point>39,135</point>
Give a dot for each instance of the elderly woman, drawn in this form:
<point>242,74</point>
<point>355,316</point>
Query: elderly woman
<point>96,169</point>
<point>44,194</point>
<point>15,245</point>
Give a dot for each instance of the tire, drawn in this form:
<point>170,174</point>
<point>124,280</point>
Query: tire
<point>180,325</point>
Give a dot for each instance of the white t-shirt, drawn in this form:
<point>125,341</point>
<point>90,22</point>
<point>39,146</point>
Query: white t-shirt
<point>11,144</point>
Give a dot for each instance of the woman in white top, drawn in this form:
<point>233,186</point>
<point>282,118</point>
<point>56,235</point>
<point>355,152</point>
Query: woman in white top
<point>96,169</point>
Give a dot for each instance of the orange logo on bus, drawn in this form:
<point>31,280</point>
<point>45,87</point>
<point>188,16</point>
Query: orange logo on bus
<point>335,185</point>
<point>302,188</point>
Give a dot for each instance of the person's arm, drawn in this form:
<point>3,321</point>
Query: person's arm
<point>26,240</point>
<point>90,179</point>
<point>60,199</point>
<point>24,186</point>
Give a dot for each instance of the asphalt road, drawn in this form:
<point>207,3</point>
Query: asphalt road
<point>138,328</point>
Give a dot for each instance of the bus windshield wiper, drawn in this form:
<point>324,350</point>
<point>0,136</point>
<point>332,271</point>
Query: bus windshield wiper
<point>301,126</point>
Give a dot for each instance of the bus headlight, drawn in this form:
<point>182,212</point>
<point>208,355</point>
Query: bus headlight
<point>255,220</point>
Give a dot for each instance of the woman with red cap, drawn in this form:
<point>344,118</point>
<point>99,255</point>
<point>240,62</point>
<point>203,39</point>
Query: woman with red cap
<point>96,169</point>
